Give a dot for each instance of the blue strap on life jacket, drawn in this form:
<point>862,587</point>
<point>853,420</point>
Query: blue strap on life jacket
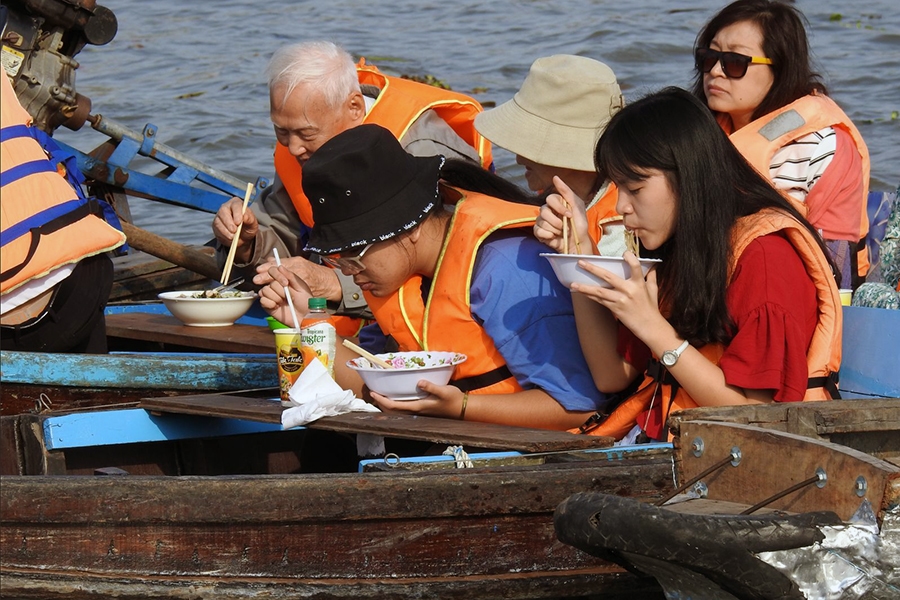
<point>40,219</point>
<point>57,156</point>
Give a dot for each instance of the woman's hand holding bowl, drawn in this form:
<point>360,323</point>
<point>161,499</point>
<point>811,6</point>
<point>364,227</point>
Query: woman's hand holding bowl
<point>633,301</point>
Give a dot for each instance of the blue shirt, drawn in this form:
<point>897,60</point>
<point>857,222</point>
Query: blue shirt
<point>523,307</point>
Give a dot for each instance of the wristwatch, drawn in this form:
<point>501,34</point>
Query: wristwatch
<point>670,357</point>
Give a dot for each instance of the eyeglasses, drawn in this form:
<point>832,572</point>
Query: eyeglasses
<point>350,265</point>
<point>734,65</point>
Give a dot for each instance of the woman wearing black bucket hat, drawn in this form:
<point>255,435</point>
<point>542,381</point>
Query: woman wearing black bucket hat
<point>445,268</point>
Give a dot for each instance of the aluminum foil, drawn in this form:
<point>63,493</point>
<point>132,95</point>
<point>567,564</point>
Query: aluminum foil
<point>854,560</point>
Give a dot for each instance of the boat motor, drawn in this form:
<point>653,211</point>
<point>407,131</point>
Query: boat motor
<point>40,39</point>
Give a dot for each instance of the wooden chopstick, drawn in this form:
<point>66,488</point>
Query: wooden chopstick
<point>565,231</point>
<point>229,262</point>
<point>575,235</point>
<point>366,354</point>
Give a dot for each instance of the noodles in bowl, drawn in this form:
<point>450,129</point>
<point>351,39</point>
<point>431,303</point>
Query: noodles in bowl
<point>407,369</point>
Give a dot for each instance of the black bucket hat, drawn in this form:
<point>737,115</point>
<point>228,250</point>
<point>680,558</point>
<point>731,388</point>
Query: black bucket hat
<point>365,188</point>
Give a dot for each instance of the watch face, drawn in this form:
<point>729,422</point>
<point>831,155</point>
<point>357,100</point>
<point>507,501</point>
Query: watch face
<point>669,358</point>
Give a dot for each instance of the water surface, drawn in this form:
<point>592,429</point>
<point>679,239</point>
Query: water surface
<point>195,69</point>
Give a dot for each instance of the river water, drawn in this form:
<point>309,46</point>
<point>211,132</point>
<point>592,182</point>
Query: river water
<point>195,69</point>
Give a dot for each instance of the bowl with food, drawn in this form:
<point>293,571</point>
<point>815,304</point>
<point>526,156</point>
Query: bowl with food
<point>199,308</point>
<point>568,272</point>
<point>407,369</point>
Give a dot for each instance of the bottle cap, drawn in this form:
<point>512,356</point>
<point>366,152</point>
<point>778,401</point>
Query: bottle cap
<point>317,303</point>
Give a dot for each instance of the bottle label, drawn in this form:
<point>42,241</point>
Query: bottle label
<point>321,337</point>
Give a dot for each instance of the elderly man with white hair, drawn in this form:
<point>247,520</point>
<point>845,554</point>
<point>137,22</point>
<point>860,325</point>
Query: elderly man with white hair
<point>316,91</point>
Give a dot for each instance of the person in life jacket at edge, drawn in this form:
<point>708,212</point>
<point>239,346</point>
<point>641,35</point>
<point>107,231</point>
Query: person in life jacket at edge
<point>753,71</point>
<point>444,254</point>
<point>744,307</point>
<point>55,275</point>
<point>316,91</point>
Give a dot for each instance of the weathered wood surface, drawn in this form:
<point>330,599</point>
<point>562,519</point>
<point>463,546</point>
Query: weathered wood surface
<point>173,371</point>
<point>430,429</point>
<point>196,260</point>
<point>26,448</point>
<point>167,330</point>
<point>36,382</point>
<point>868,425</point>
<point>469,533</point>
<point>773,461</point>
<point>607,581</point>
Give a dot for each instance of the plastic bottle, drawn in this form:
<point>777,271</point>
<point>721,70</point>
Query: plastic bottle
<point>318,333</point>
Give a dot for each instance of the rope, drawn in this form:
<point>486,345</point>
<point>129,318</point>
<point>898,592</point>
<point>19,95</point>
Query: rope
<point>460,455</point>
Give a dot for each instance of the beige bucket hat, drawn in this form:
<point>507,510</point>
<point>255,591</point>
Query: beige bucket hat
<point>558,114</point>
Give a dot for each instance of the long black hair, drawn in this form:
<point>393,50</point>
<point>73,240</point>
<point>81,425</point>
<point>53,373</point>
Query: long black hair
<point>784,41</point>
<point>469,176</point>
<point>673,132</point>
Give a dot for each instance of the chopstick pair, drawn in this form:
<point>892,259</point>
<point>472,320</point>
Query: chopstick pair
<point>229,261</point>
<point>366,354</point>
<point>565,231</point>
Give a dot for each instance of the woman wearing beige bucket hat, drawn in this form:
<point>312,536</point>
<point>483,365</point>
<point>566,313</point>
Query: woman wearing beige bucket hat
<point>552,125</point>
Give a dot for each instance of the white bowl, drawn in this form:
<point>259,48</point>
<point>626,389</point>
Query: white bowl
<point>207,312</point>
<point>400,382</point>
<point>567,270</point>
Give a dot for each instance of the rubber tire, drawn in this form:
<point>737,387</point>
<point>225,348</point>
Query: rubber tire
<point>720,547</point>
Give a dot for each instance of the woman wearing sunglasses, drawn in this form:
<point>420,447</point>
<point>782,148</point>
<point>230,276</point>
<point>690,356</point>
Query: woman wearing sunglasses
<point>447,268</point>
<point>743,308</point>
<point>753,71</point>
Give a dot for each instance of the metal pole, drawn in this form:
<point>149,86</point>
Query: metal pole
<point>117,131</point>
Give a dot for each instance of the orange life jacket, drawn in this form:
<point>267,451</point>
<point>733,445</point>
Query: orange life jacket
<point>760,140</point>
<point>602,212</point>
<point>445,322</point>
<point>45,221</point>
<point>400,102</point>
<point>823,356</point>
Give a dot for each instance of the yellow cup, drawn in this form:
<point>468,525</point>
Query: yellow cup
<point>290,360</point>
<point>846,297</point>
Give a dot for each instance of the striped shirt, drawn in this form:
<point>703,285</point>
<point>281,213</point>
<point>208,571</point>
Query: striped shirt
<point>797,165</point>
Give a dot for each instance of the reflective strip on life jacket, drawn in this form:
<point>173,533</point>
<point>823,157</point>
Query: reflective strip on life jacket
<point>760,140</point>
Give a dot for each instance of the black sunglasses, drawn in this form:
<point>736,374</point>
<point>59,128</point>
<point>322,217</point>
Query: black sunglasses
<point>734,65</point>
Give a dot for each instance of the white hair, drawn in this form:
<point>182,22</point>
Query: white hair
<point>326,66</point>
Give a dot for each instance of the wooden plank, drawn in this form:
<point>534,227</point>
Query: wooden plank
<point>110,427</point>
<point>756,476</point>
<point>430,429</point>
<point>166,329</point>
<point>508,458</point>
<point>834,416</point>
<point>173,371</point>
<point>12,462</point>
<point>611,580</point>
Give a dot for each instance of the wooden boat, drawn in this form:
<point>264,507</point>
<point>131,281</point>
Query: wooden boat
<point>823,522</point>
<point>215,499</point>
<point>389,532</point>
